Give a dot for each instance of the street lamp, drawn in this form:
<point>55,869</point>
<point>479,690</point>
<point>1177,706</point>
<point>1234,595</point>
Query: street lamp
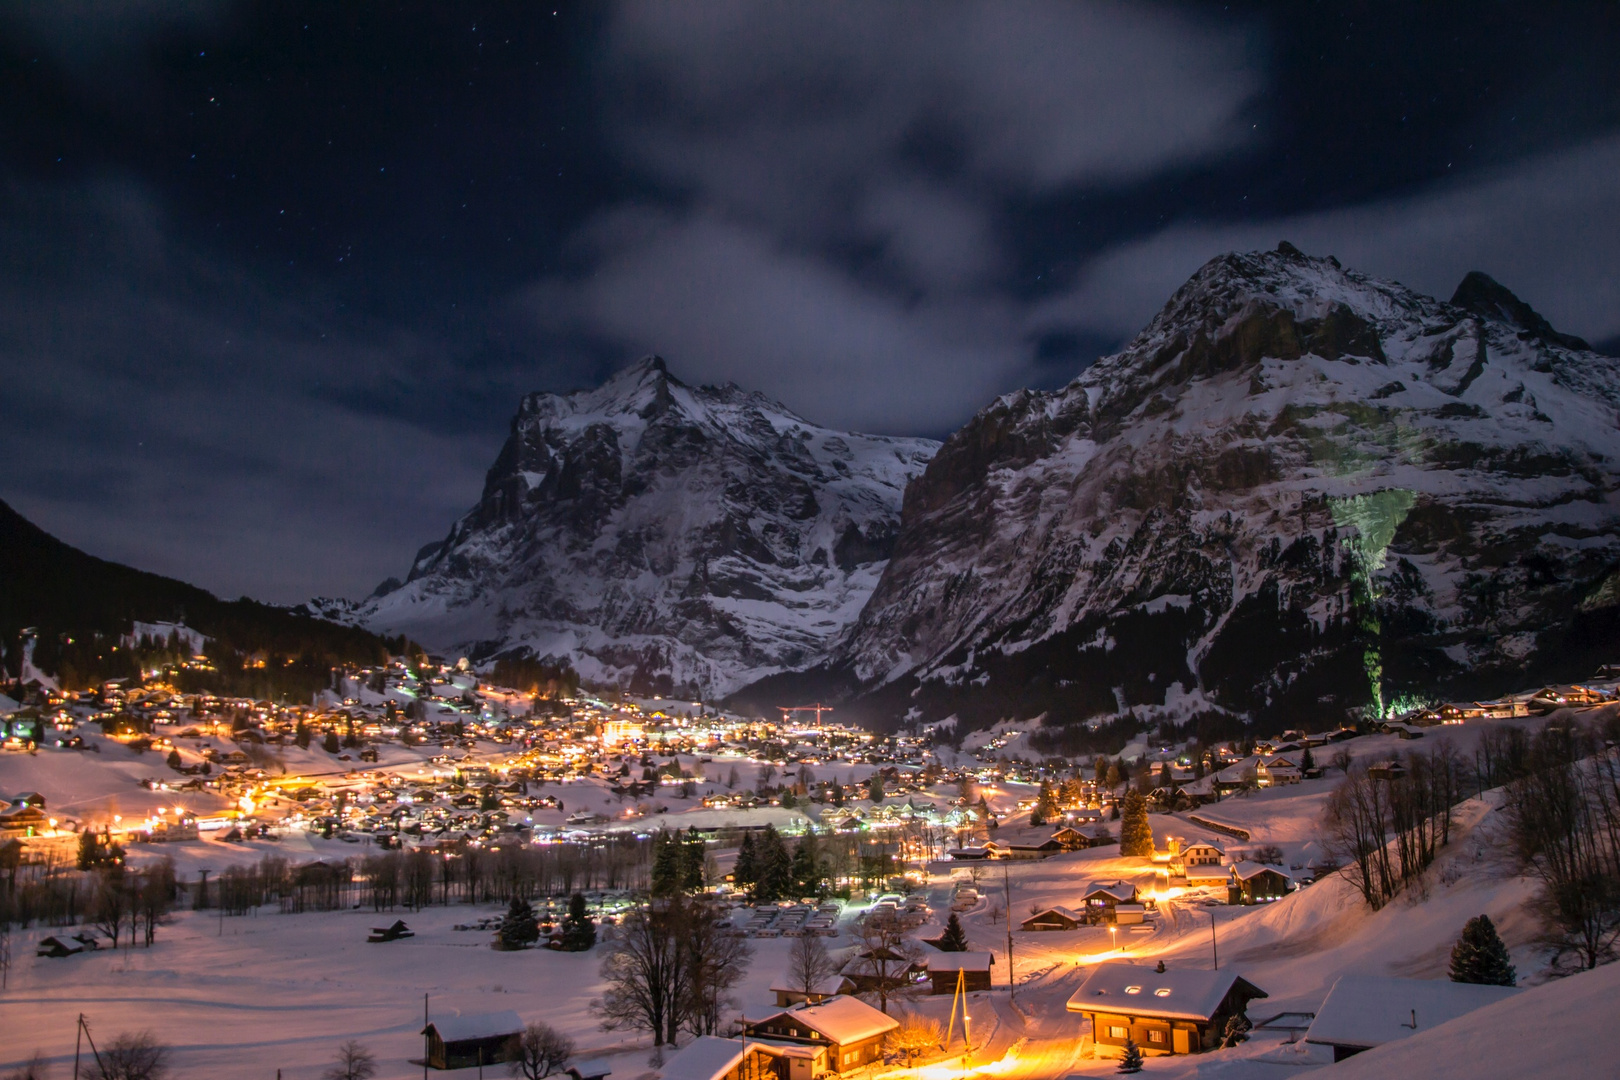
<point>1113,938</point>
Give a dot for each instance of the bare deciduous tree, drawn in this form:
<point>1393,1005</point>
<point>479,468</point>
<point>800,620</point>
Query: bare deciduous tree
<point>886,955</point>
<point>671,968</point>
<point>1563,820</point>
<point>37,1068</point>
<point>1388,828</point>
<point>539,1052</point>
<point>133,1056</point>
<point>354,1062</point>
<point>809,964</point>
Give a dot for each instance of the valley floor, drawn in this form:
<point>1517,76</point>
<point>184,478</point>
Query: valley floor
<point>254,996</point>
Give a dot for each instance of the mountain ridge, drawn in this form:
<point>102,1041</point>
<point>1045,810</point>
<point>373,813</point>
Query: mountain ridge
<point>666,537</point>
<point>76,606</point>
<point>1299,492</point>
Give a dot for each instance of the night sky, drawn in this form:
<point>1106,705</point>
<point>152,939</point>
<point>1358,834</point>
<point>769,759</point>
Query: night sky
<point>274,276</point>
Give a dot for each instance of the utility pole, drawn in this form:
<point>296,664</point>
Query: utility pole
<point>1214,950</point>
<point>425,1022</point>
<point>84,1032</point>
<point>1006,885</point>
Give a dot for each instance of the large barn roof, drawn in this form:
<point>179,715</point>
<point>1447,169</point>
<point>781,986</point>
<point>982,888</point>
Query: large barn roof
<point>1142,990</point>
<point>845,1020</point>
<point>1370,1010</point>
<point>704,1058</point>
<point>476,1026</point>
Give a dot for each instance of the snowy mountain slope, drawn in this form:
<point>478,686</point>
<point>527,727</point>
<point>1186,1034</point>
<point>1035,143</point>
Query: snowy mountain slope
<point>662,536</point>
<point>1298,490</point>
<point>1546,1031</point>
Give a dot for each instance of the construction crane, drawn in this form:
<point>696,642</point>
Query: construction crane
<point>818,708</point>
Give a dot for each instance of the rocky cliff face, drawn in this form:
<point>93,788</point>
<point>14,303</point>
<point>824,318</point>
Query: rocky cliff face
<point>664,537</point>
<point>1298,491</point>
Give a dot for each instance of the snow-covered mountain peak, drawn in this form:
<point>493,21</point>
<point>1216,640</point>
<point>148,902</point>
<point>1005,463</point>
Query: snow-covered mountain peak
<point>662,535</point>
<point>1299,489</point>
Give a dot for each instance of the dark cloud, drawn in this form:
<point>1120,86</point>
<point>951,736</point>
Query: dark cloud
<point>274,274</point>
<point>174,416</point>
<point>1546,226</point>
<point>842,172</point>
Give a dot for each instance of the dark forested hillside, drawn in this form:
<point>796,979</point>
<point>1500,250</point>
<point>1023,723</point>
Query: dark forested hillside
<point>80,608</point>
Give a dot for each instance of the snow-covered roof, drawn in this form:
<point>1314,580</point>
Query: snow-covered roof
<point>1058,909</point>
<point>1143,990</point>
<point>1370,1010</point>
<point>832,984</point>
<point>594,1067</point>
<point>704,1058</point>
<point>1549,1030</point>
<point>476,1026</point>
<point>845,1020</point>
<point>1247,869</point>
<point>1119,890</point>
<point>961,961</point>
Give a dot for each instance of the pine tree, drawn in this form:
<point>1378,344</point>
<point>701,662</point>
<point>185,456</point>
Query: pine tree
<point>519,928</point>
<point>1135,834</point>
<point>693,852</point>
<point>807,867</point>
<point>578,930</point>
<point>90,854</point>
<point>174,759</point>
<point>1046,804</point>
<point>775,867</point>
<point>330,743</point>
<point>874,788</point>
<point>1480,956</point>
<point>1306,762</point>
<point>746,871</point>
<point>954,939</point>
<point>666,866</point>
<point>1131,1060</point>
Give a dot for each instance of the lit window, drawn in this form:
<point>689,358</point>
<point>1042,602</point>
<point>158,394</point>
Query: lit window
<point>1133,989</point>
<point>1117,1033</point>
<point>1155,1036</point>
<point>1163,991</point>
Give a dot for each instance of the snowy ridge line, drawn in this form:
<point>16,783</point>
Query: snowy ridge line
<point>662,538</point>
<point>1344,485</point>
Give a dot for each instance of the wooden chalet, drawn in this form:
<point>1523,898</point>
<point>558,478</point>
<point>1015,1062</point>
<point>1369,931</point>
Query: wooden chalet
<point>1549,698</point>
<point>1101,898</point>
<point>1079,838</point>
<point>1386,770</point>
<point>1163,1012</point>
<point>1044,849</point>
<point>1054,918</point>
<point>829,987</point>
<point>850,1031</point>
<point>1277,769</point>
<point>1256,883</point>
<point>882,968</point>
<point>56,948</point>
<point>22,820</point>
<point>461,1042</point>
<point>1203,853</point>
<point>970,969</point>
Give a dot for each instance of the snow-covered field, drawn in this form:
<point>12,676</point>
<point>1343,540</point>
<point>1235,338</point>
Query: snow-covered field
<point>244,997</point>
